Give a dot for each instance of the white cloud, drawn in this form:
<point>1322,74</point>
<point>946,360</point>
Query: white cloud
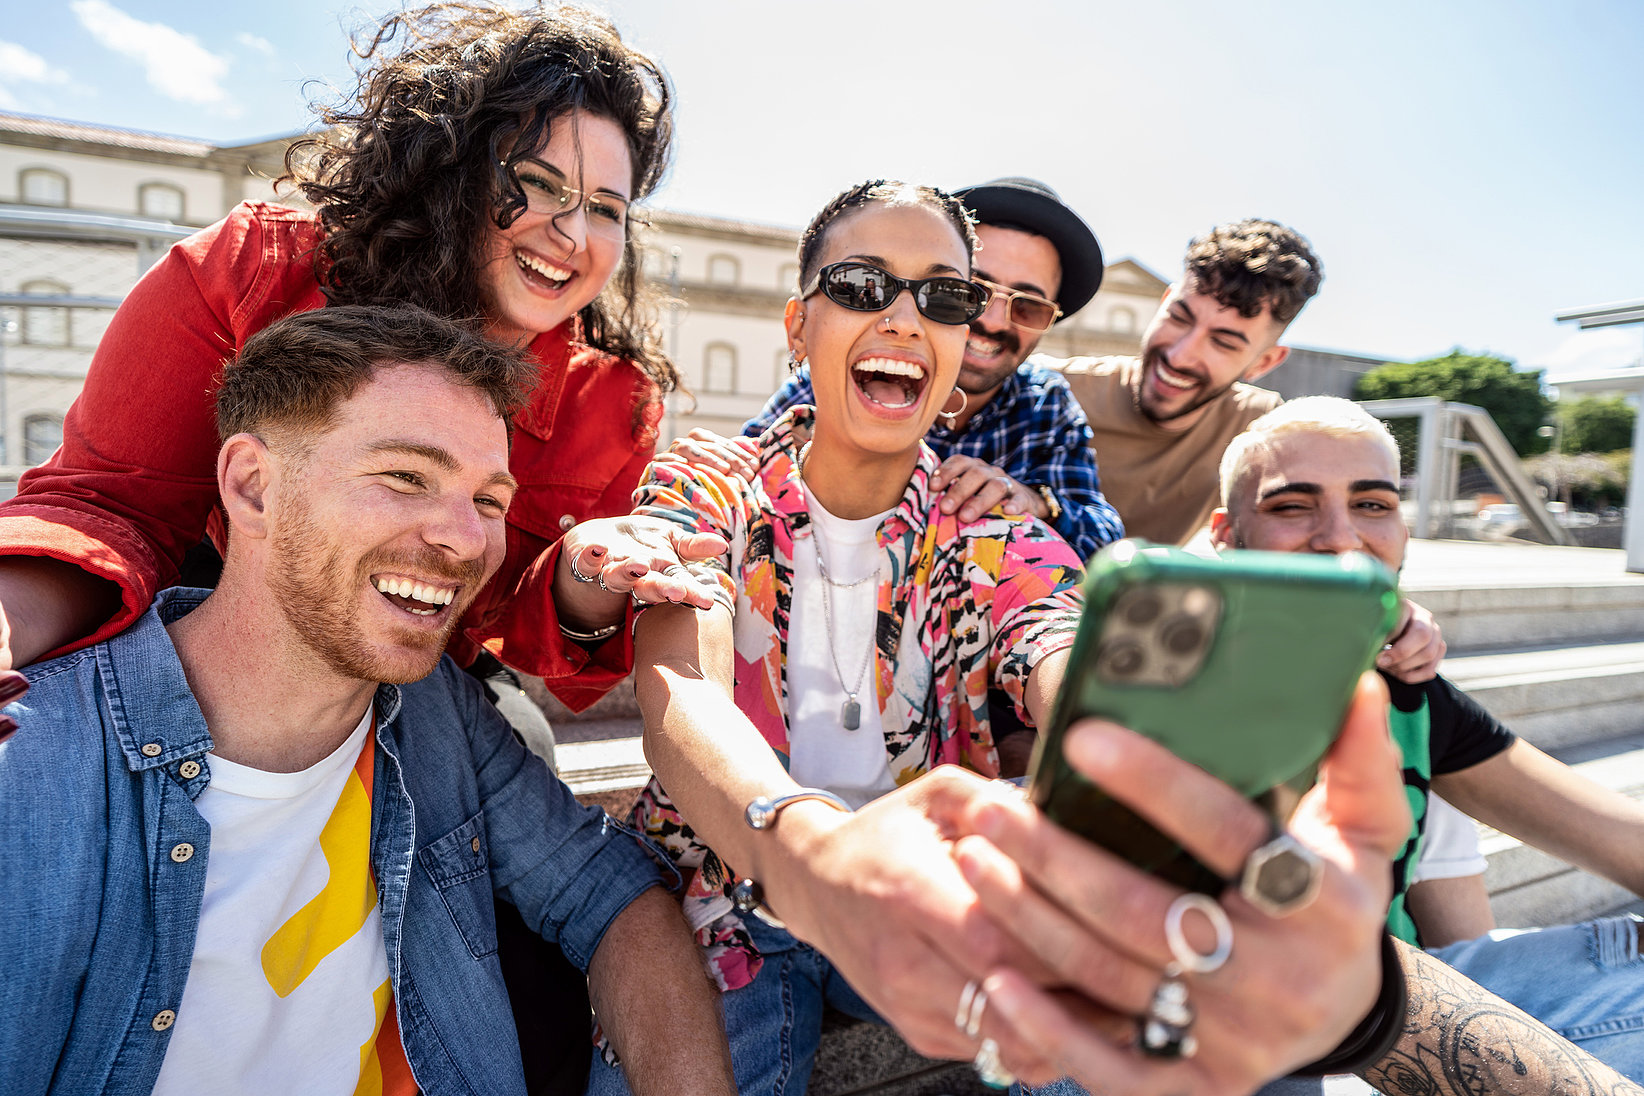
<point>255,42</point>
<point>1595,352</point>
<point>19,65</point>
<point>176,65</point>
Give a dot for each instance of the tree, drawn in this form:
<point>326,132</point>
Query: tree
<point>1513,398</point>
<point>1595,424</point>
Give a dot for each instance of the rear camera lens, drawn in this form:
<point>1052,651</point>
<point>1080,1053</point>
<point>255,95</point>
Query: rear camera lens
<point>1182,635</point>
<point>1122,659</point>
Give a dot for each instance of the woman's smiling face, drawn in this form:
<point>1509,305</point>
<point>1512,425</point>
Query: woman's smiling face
<point>881,377</point>
<point>544,267</point>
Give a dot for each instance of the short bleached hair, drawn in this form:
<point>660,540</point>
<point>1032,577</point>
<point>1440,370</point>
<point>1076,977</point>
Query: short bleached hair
<point>1328,415</point>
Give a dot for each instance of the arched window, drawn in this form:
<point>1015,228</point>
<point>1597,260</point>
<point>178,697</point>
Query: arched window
<point>724,270</point>
<point>42,434</point>
<point>162,201</point>
<point>43,186</point>
<point>1121,320</point>
<point>45,326</point>
<point>719,368</point>
<point>787,278</point>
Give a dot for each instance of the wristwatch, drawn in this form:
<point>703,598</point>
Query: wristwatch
<point>1050,501</point>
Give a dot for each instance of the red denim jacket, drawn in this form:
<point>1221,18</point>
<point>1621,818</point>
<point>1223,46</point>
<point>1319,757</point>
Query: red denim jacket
<point>134,485</point>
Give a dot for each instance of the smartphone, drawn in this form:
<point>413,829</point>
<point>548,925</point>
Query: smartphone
<point>1243,664</point>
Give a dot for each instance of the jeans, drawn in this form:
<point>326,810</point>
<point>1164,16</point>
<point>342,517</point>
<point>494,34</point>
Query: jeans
<point>775,1022</point>
<point>1584,981</point>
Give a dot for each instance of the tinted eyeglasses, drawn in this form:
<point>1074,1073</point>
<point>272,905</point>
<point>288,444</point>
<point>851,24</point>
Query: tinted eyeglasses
<point>1027,310</point>
<point>863,287</point>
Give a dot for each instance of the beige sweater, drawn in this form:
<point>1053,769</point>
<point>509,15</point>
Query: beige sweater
<point>1164,483</point>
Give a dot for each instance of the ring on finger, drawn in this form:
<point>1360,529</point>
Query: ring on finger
<point>967,997</point>
<point>1166,1029</point>
<point>576,572</point>
<point>1281,876</point>
<point>1187,957</point>
<point>990,1069</point>
<point>677,570</point>
<point>971,1007</point>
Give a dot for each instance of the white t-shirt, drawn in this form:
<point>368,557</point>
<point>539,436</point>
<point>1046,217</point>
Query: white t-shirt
<point>821,752</point>
<point>289,981</point>
<point>1449,844</point>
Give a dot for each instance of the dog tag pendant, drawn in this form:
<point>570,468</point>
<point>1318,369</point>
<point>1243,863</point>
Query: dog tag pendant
<point>851,714</point>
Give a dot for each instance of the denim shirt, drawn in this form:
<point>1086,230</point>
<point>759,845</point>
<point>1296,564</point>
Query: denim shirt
<point>103,866</point>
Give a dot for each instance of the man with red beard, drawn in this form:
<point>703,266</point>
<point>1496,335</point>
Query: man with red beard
<point>1161,422</point>
<point>267,822</point>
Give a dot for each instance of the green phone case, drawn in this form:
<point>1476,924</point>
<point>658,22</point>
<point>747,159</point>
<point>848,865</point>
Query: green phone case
<point>1242,664</point>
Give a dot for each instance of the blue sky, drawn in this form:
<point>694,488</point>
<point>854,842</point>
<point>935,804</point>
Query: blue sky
<point>1465,169</point>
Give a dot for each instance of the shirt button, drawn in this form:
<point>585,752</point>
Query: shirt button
<point>182,852</point>
<point>150,749</point>
<point>474,844</point>
<point>188,770</point>
<point>163,1020</point>
<point>566,521</point>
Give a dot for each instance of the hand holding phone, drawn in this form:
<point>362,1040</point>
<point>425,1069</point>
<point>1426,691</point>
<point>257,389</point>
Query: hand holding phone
<point>1242,664</point>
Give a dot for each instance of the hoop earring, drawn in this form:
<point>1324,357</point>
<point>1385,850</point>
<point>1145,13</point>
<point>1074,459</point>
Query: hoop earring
<point>952,416</point>
<point>794,363</point>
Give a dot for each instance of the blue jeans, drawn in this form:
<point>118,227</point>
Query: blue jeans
<point>775,1022</point>
<point>1584,981</point>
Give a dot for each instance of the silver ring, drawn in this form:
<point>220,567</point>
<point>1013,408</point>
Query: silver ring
<point>679,569</point>
<point>599,577</point>
<point>576,572</point>
<point>972,1026</point>
<point>1282,876</point>
<point>966,995</point>
<point>990,1070</point>
<point>1186,957</point>
<point>1166,1029</point>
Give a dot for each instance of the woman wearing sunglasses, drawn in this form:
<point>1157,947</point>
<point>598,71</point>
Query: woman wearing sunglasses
<point>822,733</point>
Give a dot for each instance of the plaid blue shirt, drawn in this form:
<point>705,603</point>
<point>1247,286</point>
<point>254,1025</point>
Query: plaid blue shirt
<point>1032,429</point>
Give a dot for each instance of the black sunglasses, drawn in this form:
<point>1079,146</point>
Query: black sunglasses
<point>863,287</point>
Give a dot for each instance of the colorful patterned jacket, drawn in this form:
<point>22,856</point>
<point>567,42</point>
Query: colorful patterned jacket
<point>962,606</point>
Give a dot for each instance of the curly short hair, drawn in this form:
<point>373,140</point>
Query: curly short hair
<point>1249,264</point>
<point>412,168</point>
<point>883,192</point>
<point>287,381</point>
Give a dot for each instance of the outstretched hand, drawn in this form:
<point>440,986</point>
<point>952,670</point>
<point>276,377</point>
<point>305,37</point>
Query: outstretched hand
<point>605,561</point>
<point>1292,988</point>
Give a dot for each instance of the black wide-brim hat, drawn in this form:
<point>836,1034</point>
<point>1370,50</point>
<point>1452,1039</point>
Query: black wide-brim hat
<point>1031,205</point>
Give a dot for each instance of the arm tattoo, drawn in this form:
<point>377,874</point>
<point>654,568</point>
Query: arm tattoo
<point>1462,1040</point>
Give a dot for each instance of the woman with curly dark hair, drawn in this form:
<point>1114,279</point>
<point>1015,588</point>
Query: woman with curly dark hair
<point>485,167</point>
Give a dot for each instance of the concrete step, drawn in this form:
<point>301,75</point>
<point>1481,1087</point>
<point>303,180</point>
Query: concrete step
<point>1556,697</point>
<point>1492,596</point>
<point>1530,888</point>
<point>1478,619</point>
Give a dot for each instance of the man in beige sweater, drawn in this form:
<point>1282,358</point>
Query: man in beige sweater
<point>1161,421</point>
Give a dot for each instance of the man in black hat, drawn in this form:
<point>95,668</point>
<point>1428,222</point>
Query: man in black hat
<point>1021,440</point>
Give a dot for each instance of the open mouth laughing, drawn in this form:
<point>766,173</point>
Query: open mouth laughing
<point>539,271</point>
<point>415,596</point>
<point>889,382</point>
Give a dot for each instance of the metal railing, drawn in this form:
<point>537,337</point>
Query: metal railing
<point>1440,445</point>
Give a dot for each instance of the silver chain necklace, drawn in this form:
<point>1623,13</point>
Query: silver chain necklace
<point>850,713</point>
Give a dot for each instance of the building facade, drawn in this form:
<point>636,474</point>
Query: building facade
<point>85,209</point>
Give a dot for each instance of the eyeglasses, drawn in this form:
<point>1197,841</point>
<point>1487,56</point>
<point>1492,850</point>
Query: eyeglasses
<point>547,193</point>
<point>1027,310</point>
<point>863,287</point>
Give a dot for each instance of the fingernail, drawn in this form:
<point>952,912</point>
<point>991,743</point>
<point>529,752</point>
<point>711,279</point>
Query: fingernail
<point>8,727</point>
<point>12,686</point>
<point>1090,748</point>
<point>596,551</point>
